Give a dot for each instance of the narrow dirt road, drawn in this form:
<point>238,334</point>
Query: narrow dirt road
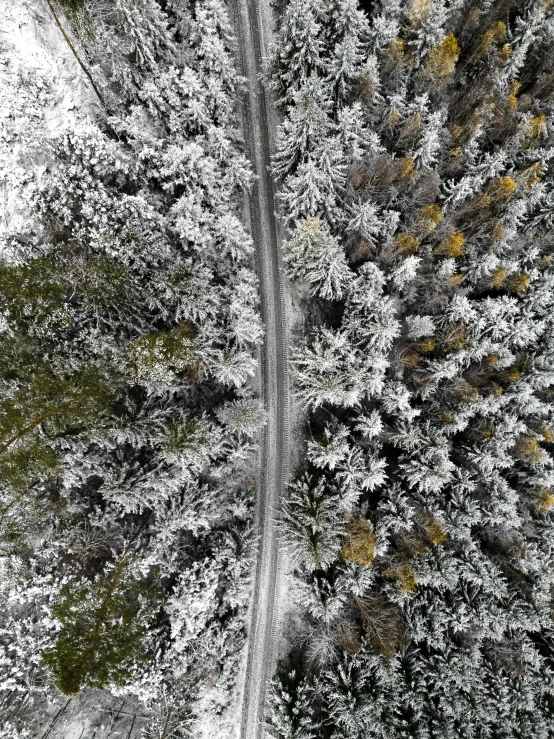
<point>251,31</point>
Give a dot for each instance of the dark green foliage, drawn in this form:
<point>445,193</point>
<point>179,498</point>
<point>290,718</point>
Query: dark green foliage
<point>32,292</point>
<point>71,5</point>
<point>49,391</point>
<point>156,356</point>
<point>103,625</point>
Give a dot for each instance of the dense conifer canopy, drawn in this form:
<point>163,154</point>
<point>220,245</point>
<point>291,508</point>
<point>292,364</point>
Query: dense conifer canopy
<point>415,161</point>
<point>129,328</point>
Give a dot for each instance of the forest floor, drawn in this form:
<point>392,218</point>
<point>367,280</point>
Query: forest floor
<point>252,27</point>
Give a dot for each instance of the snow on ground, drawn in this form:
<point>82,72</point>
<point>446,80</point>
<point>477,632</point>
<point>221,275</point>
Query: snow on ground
<point>42,93</point>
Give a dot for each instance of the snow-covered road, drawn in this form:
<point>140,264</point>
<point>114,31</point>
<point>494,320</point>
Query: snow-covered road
<point>252,26</point>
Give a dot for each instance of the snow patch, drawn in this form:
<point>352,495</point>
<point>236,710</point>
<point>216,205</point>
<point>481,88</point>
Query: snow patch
<point>42,93</point>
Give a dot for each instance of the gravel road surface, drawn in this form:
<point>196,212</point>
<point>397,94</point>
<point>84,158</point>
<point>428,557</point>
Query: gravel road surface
<point>251,27</point>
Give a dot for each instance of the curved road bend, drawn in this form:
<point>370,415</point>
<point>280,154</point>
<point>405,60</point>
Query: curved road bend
<point>249,30</point>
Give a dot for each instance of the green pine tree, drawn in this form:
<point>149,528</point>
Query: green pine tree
<point>103,625</point>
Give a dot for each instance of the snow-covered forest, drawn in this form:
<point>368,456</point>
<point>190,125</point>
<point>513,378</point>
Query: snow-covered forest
<point>129,415</point>
<point>415,166</point>
<point>413,171</point>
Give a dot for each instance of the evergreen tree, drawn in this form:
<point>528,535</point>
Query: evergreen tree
<point>315,257</point>
<point>103,625</point>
